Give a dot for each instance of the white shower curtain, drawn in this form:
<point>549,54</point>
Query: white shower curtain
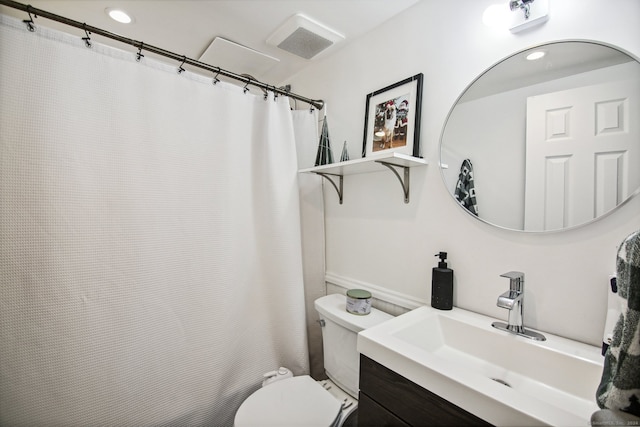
<point>305,125</point>
<point>150,261</point>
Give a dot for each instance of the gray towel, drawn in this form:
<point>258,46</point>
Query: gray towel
<point>465,188</point>
<point>619,387</point>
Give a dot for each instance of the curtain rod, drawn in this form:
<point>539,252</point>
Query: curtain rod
<point>248,80</point>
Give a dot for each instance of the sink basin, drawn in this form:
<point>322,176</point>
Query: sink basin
<point>500,377</point>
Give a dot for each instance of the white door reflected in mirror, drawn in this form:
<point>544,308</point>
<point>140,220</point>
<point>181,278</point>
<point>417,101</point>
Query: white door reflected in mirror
<point>582,154</point>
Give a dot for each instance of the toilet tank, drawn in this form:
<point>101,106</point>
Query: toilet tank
<point>339,339</point>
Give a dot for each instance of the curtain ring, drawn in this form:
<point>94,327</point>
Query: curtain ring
<point>246,86</point>
<point>29,21</point>
<point>87,39</point>
<point>215,78</point>
<point>180,69</point>
<point>139,55</point>
<point>266,92</point>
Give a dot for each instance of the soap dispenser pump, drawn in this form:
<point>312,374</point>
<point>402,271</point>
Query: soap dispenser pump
<point>442,284</point>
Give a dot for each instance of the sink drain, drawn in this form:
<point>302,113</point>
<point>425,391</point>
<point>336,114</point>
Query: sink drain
<point>501,382</point>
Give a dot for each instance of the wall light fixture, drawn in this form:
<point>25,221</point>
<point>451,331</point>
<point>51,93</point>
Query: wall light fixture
<point>501,15</point>
<point>534,12</point>
<point>521,4</point>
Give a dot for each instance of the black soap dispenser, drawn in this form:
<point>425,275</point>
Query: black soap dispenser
<point>442,284</point>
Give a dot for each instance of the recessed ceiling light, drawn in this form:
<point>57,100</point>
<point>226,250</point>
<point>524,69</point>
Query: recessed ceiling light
<point>119,15</point>
<point>536,55</point>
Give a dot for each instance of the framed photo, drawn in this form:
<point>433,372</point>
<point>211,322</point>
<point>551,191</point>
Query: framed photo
<point>392,118</point>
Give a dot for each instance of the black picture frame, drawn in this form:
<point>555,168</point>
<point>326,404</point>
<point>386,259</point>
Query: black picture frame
<point>392,118</point>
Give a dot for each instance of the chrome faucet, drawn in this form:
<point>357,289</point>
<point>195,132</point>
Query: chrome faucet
<point>513,300</point>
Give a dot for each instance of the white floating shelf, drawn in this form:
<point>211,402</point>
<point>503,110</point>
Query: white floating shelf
<point>367,164</point>
<point>374,163</point>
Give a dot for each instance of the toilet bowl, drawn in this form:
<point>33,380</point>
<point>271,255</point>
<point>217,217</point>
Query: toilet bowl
<point>297,401</point>
<point>302,401</point>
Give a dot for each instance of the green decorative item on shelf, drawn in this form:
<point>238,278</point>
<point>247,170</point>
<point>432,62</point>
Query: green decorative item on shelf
<point>324,155</point>
<point>345,153</point>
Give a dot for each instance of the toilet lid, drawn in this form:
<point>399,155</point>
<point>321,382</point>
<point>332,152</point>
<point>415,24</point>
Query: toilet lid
<point>297,401</point>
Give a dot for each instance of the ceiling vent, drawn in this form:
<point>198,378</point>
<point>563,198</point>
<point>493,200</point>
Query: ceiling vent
<point>304,37</point>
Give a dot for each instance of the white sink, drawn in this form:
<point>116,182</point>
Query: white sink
<point>458,355</point>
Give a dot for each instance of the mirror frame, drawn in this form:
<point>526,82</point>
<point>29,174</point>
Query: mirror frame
<point>635,193</point>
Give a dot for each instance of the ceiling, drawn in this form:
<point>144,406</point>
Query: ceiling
<point>562,59</point>
<point>188,27</point>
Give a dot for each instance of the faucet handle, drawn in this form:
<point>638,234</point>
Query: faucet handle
<point>516,280</point>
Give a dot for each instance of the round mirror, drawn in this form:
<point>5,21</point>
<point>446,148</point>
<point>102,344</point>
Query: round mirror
<point>547,139</point>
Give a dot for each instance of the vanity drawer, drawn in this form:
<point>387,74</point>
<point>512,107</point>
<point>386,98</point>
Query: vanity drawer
<point>408,402</point>
<point>371,414</point>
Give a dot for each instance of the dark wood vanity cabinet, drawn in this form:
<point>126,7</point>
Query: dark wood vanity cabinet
<point>389,399</point>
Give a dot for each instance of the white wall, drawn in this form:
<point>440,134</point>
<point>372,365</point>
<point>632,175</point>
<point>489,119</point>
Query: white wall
<point>376,239</point>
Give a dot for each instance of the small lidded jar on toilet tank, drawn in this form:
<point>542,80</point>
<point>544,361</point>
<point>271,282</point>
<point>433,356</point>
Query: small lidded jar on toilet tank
<point>358,302</point>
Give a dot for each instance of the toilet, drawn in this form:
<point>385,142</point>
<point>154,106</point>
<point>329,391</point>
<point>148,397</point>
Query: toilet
<point>302,401</point>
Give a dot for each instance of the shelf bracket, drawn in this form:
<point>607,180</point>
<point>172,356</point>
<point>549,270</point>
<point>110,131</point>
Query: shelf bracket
<point>338,186</point>
<point>404,182</point>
